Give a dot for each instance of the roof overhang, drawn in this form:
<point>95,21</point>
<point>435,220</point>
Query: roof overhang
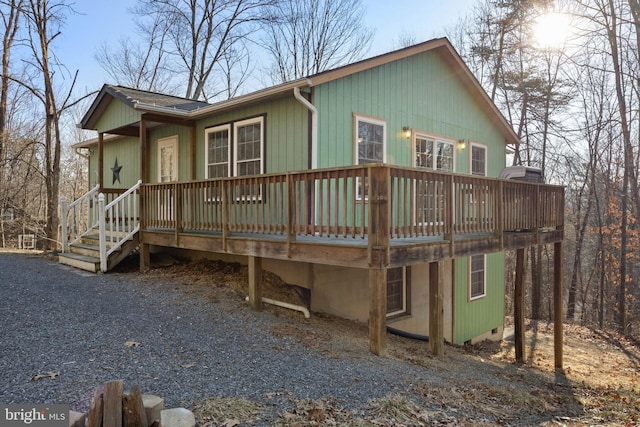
<point>440,46</point>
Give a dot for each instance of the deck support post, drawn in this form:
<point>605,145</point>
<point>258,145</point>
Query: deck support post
<point>145,257</point>
<point>518,304</point>
<point>436,310</point>
<point>557,304</point>
<point>378,311</point>
<point>255,282</point>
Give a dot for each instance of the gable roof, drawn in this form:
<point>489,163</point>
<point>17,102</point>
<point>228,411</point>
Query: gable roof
<point>180,107</point>
<point>133,98</point>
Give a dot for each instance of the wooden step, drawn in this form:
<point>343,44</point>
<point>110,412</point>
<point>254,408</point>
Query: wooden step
<point>82,262</point>
<point>94,240</point>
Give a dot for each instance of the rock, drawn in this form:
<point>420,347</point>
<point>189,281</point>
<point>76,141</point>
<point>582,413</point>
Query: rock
<point>177,417</point>
<point>153,406</point>
<point>76,419</point>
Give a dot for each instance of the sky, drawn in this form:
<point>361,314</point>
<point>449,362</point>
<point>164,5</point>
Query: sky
<point>106,21</point>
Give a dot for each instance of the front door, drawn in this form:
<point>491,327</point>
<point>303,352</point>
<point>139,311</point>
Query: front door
<point>167,172</point>
<point>168,159</point>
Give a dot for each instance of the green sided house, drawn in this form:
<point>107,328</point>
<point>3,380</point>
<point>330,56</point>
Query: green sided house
<point>373,185</point>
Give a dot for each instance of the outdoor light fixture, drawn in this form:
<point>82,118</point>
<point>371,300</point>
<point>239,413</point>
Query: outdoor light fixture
<point>461,144</point>
<point>406,131</point>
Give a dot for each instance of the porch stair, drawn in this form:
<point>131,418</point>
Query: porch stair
<point>85,253</point>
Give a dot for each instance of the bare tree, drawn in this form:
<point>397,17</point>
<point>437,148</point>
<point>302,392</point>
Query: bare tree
<point>44,20</point>
<point>186,47</point>
<point>139,65</point>
<point>10,12</point>
<point>311,36</point>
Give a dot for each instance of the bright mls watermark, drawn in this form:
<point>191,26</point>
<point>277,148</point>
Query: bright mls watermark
<point>34,415</point>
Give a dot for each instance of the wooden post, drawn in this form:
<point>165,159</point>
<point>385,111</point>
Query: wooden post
<point>436,310</point>
<point>557,304</point>
<point>177,210</point>
<point>112,404</point>
<point>378,311</point>
<point>101,161</point>
<point>379,216</point>
<point>449,212</point>
<point>518,304</point>
<point>291,213</point>
<point>145,168</point>
<point>379,245</point>
<point>193,157</point>
<point>255,283</point>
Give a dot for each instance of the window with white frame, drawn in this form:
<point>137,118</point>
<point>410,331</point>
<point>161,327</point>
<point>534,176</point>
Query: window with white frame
<point>437,154</point>
<point>478,159</point>
<point>398,280</point>
<point>433,153</point>
<point>242,156</point>
<point>370,145</point>
<point>477,276</point>
<point>218,153</point>
<point>248,144</point>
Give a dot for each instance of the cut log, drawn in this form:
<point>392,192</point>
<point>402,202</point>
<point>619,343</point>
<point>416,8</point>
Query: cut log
<point>96,409</point>
<point>133,409</point>
<point>112,404</point>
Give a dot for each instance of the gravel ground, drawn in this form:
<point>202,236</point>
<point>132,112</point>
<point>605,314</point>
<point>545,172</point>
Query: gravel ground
<point>58,320</point>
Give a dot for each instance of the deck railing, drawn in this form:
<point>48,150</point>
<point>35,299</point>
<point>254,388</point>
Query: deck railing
<point>349,202</point>
<point>118,222</point>
<point>76,218</point>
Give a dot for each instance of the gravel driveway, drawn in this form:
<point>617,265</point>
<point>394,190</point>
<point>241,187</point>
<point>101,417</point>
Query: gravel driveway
<point>58,320</point>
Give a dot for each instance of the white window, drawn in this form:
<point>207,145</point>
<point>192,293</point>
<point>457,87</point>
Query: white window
<point>248,147</point>
<point>168,159</point>
<point>478,160</point>
<point>218,154</point>
<point>437,154</point>
<point>477,276</point>
<point>370,145</point>
<point>398,280</point>
<point>245,156</point>
<point>433,153</point>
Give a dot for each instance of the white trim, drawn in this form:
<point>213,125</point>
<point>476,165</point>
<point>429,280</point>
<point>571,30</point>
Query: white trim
<point>436,140</point>
<point>170,141</point>
<point>486,157</point>
<point>362,118</point>
<point>484,278</point>
<point>240,124</point>
<point>357,118</point>
<point>208,131</point>
<point>404,293</point>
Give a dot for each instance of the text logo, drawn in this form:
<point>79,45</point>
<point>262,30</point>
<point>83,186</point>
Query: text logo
<point>34,415</point>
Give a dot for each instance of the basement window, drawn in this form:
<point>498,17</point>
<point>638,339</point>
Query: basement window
<point>477,277</point>
<point>398,280</point>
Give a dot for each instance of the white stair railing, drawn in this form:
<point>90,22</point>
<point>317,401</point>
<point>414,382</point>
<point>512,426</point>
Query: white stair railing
<point>77,218</point>
<point>120,219</point>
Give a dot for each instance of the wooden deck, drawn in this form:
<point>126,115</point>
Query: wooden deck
<point>363,216</point>
<point>373,217</point>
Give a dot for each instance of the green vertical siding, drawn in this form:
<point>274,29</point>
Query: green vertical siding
<point>286,134</point>
<point>184,151</point>
<point>127,151</point>
<point>116,115</point>
<point>474,318</point>
<point>420,92</point>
